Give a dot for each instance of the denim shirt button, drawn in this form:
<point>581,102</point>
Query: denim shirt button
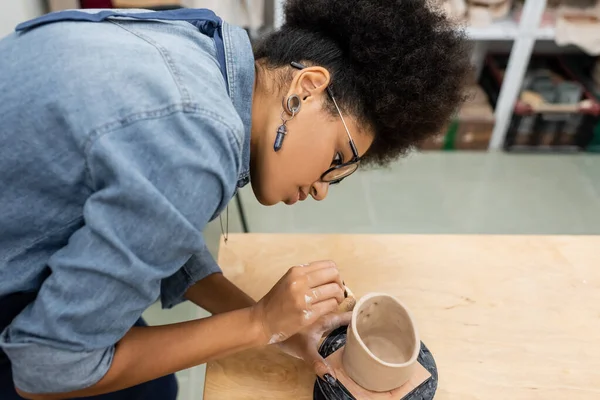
<point>243,181</point>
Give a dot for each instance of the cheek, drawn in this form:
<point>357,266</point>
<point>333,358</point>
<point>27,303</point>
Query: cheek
<point>312,148</point>
<point>306,153</point>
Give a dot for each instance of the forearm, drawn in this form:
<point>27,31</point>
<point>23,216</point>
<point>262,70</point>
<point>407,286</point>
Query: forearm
<point>216,294</point>
<point>148,353</point>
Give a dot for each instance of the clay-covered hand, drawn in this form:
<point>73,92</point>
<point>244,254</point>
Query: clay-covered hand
<point>304,345</point>
<point>300,298</point>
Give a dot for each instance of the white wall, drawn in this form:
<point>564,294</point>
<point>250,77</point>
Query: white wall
<point>14,11</point>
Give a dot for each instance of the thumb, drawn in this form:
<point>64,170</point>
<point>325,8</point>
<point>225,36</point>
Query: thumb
<point>333,321</point>
<point>320,365</point>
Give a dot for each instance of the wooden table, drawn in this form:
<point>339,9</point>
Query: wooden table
<point>506,317</point>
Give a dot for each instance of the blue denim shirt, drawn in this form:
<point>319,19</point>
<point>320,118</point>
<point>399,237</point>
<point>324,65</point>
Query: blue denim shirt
<point>118,143</point>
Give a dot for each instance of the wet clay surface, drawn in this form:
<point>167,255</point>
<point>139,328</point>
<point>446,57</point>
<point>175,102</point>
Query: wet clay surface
<point>386,349</point>
<point>386,330</point>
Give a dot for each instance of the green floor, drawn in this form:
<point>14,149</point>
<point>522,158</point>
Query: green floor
<point>438,192</point>
<point>449,192</point>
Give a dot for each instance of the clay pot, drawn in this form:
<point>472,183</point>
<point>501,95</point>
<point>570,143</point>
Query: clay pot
<point>382,345</point>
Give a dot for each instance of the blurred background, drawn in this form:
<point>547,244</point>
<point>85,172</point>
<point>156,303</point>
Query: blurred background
<point>520,157</point>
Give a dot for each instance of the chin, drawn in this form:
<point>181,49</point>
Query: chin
<point>267,203</point>
<point>261,198</point>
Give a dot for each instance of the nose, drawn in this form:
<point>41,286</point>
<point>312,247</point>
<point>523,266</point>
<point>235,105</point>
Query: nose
<point>319,190</point>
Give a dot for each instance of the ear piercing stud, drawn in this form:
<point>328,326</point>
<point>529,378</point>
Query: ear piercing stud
<point>293,104</point>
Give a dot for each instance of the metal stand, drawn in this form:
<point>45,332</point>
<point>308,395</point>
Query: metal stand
<point>517,67</point>
<point>240,207</point>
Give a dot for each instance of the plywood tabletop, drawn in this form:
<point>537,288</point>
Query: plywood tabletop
<point>506,317</point>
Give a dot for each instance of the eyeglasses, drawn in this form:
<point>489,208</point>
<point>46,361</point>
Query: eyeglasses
<point>338,172</point>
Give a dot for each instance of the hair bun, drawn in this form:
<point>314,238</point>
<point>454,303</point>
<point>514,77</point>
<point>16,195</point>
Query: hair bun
<point>320,16</point>
<point>363,29</point>
<point>397,66</point>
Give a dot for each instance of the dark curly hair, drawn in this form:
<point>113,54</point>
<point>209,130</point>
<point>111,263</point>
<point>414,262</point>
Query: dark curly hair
<point>398,66</point>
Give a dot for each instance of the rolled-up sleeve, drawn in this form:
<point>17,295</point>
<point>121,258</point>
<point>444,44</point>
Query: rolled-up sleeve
<point>156,180</point>
<point>199,266</point>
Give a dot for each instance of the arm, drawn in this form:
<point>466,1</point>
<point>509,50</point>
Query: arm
<point>280,314</point>
<point>154,183</point>
<point>217,294</point>
<point>182,346</point>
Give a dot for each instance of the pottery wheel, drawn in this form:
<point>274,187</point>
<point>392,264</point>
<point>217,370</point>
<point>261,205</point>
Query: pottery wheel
<point>337,339</point>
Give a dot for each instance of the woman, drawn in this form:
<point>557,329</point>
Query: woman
<point>122,137</point>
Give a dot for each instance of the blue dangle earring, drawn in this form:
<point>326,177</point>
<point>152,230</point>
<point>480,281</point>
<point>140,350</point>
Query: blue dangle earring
<point>293,107</point>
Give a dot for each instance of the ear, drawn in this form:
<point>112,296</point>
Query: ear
<point>310,83</point>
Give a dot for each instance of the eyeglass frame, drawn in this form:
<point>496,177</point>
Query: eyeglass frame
<point>355,156</point>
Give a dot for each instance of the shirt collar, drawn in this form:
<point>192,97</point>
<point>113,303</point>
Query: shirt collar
<point>239,59</point>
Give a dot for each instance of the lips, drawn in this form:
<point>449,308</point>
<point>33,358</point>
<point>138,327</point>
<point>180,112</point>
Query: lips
<point>302,196</point>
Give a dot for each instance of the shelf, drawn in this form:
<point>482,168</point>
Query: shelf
<point>546,33</point>
<point>500,30</point>
<point>506,30</point>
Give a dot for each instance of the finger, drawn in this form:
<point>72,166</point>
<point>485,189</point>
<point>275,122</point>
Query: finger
<point>318,363</point>
<point>323,308</point>
<point>323,276</point>
<point>317,265</point>
<point>331,322</point>
<point>325,292</point>
<point>347,305</point>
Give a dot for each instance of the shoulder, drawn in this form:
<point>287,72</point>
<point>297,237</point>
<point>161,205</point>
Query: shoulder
<point>102,74</point>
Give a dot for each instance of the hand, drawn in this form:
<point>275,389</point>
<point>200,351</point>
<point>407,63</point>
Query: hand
<point>304,344</point>
<point>300,298</point>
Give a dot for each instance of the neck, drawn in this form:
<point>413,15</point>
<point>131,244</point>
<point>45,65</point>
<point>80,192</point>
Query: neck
<point>264,101</point>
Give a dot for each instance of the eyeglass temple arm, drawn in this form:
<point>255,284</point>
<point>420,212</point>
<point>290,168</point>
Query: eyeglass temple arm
<point>300,66</point>
<point>297,65</point>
